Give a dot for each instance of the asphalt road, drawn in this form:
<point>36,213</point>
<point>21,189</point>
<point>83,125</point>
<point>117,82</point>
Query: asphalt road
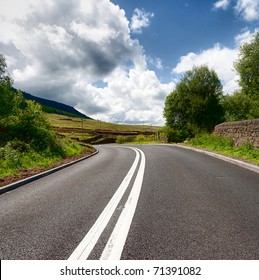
<point>158,202</point>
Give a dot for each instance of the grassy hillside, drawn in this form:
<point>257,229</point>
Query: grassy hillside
<point>28,142</point>
<point>70,123</point>
<point>32,140</point>
<point>51,106</point>
<point>92,131</point>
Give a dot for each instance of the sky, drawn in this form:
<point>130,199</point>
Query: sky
<point>117,60</point>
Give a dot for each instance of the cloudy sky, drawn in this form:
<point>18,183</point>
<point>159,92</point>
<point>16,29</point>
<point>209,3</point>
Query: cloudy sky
<point>116,60</point>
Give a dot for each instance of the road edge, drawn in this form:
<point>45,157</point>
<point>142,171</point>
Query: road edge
<point>240,163</point>
<point>22,182</point>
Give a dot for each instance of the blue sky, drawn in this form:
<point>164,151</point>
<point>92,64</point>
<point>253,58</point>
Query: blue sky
<point>117,60</point>
<point>179,27</point>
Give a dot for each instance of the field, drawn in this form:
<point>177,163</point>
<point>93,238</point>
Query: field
<point>96,132</point>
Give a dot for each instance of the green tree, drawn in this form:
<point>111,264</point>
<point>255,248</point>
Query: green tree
<point>247,66</point>
<point>9,101</point>
<point>24,119</point>
<point>2,68</point>
<point>33,128</point>
<point>244,104</point>
<point>4,75</point>
<point>239,106</point>
<point>194,105</point>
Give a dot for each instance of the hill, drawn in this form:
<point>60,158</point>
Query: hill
<point>70,123</point>
<point>98,132</point>
<point>54,107</point>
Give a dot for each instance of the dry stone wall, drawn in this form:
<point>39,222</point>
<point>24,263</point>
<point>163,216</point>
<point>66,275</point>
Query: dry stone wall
<point>241,132</point>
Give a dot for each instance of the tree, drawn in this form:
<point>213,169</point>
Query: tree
<point>10,102</point>
<point>33,128</point>
<point>240,106</point>
<point>248,68</point>
<point>244,104</point>
<point>2,67</point>
<point>194,105</point>
<point>23,119</point>
<point>4,75</point>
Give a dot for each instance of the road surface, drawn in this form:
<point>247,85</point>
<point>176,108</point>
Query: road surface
<point>138,202</point>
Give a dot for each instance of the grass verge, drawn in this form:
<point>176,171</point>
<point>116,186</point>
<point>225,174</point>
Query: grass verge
<point>225,146</point>
<point>17,159</point>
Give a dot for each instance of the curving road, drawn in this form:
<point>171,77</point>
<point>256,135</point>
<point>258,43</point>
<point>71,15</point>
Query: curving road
<point>138,202</point>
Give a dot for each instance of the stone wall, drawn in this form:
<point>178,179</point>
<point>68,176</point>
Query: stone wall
<point>241,132</point>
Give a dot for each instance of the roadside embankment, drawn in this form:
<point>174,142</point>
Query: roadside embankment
<point>241,132</point>
<point>23,173</point>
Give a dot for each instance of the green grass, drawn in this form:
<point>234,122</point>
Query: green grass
<point>88,124</point>
<point>225,146</point>
<point>17,155</point>
<point>14,158</point>
<point>86,130</point>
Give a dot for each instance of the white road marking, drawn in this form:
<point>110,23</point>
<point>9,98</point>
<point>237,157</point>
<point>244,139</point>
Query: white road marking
<point>116,242</point>
<point>85,247</point>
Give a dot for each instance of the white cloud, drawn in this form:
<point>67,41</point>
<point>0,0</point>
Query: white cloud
<point>140,20</point>
<point>59,49</point>
<point>131,96</point>
<point>222,4</point>
<point>13,9</point>
<point>25,74</point>
<point>93,33</point>
<point>245,37</point>
<point>249,9</point>
<point>219,58</point>
<point>157,62</point>
<point>10,61</point>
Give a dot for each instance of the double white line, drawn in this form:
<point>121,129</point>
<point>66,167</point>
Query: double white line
<point>115,244</point>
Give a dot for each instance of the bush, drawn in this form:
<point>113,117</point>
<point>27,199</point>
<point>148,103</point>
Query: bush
<point>11,156</point>
<point>27,140</point>
<point>140,138</point>
<point>225,146</point>
<point>120,139</point>
<point>29,126</point>
<point>212,141</point>
<point>125,139</point>
<point>175,135</point>
<point>16,155</point>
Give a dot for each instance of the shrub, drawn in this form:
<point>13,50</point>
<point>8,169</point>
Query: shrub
<point>212,141</point>
<point>125,139</point>
<point>225,146</point>
<point>120,139</point>
<point>140,138</point>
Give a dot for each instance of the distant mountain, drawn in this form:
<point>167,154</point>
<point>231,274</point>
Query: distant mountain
<point>50,106</point>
